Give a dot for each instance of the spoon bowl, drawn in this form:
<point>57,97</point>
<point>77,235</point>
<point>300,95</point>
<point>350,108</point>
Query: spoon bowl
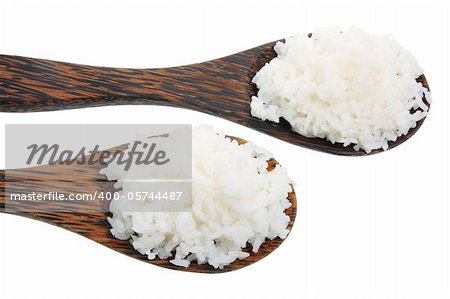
<point>89,218</point>
<point>221,87</point>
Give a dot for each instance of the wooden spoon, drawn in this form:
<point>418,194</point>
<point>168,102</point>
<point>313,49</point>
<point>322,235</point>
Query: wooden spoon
<point>86,217</point>
<point>221,87</point>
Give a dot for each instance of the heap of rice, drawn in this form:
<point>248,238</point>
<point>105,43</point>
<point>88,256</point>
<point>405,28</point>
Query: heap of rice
<point>235,201</point>
<point>346,86</point>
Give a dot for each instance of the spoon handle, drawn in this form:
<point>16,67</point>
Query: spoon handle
<point>30,84</point>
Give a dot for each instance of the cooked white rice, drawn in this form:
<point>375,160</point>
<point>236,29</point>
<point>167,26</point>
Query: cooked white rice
<point>235,201</point>
<point>346,86</point>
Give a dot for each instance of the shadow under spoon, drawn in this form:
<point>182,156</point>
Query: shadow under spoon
<point>220,87</point>
<point>89,218</point>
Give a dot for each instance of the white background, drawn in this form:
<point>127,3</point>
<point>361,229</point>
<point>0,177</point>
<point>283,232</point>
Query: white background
<point>369,227</point>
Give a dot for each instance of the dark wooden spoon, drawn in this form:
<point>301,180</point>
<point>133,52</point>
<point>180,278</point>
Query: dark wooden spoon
<point>89,218</point>
<point>221,87</point>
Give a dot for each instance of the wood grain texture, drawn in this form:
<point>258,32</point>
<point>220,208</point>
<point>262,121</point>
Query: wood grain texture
<point>87,219</point>
<point>220,87</point>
